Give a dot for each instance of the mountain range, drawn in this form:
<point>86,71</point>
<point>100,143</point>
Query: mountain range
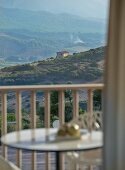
<point>95,8</point>
<point>42,21</point>
<point>27,36</point>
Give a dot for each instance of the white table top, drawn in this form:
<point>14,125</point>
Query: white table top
<point>36,140</point>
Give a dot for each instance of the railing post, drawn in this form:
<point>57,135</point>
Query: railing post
<point>75,103</point>
<point>61,107</point>
<point>75,108</point>
<point>18,126</point>
<point>4,120</point>
<point>90,108</point>
<point>90,112</point>
<point>47,123</point>
<point>102,106</point>
<point>61,121</point>
<point>33,126</point>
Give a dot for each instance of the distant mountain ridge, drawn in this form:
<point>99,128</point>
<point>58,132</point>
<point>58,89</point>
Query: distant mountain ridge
<point>27,36</point>
<point>21,46</point>
<point>43,21</point>
<point>82,67</point>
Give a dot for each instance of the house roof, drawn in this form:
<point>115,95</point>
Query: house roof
<point>63,52</point>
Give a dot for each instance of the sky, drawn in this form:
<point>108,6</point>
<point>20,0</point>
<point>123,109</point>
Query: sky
<point>84,8</point>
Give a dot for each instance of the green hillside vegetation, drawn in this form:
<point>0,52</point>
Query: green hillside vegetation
<point>79,68</point>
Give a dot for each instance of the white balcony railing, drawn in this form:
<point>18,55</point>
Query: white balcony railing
<point>33,89</point>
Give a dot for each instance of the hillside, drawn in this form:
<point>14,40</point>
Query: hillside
<point>79,68</point>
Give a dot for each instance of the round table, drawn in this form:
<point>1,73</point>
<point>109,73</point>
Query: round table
<point>44,140</point>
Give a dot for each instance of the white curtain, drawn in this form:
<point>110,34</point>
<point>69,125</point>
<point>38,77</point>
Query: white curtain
<point>114,96</point>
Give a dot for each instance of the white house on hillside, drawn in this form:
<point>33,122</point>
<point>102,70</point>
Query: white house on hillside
<point>62,54</point>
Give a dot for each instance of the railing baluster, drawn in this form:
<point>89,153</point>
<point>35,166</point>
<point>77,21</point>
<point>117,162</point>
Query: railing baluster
<point>18,126</point>
<point>61,107</point>
<point>75,103</point>
<point>75,108</point>
<point>90,112</point>
<point>102,107</point>
<point>47,123</point>
<point>62,120</point>
<point>47,109</point>
<point>90,107</point>
<point>4,120</point>
<point>33,126</point>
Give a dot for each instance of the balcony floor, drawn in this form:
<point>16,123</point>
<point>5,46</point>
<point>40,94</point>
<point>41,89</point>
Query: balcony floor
<point>26,159</point>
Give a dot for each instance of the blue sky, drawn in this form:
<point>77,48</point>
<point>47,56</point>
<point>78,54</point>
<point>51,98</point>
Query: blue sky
<point>84,8</point>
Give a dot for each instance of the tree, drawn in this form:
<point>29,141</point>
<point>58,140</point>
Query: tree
<point>97,99</point>
<point>54,104</point>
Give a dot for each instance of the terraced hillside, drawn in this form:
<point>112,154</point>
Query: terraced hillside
<point>78,68</point>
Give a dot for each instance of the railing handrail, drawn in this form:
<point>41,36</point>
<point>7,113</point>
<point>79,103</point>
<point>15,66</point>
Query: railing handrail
<point>53,87</point>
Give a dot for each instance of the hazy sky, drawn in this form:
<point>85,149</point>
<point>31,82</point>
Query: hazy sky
<point>84,8</point>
